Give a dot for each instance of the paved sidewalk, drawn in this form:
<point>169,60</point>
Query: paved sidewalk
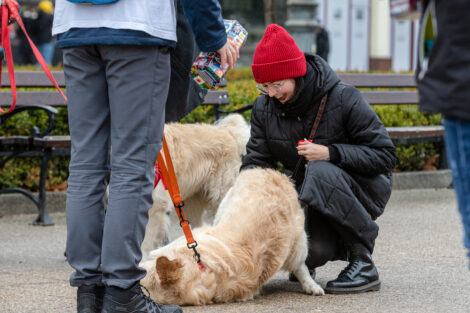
<point>419,256</point>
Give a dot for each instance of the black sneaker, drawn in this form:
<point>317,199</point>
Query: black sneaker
<point>359,276</point>
<point>90,299</point>
<point>138,302</point>
<point>312,272</point>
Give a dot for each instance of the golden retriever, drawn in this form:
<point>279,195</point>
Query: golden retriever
<point>258,230</point>
<point>207,160</point>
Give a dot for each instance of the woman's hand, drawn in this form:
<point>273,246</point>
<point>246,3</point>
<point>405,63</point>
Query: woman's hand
<point>314,152</point>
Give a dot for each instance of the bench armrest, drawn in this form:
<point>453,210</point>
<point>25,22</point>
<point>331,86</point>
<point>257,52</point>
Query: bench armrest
<point>50,111</point>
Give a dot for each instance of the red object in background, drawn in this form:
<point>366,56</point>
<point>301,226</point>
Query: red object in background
<point>9,10</point>
<point>304,141</point>
<point>406,9</point>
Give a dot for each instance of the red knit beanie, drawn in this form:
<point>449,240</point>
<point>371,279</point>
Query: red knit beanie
<point>277,57</point>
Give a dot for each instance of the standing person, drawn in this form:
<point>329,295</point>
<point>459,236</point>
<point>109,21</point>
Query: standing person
<point>43,25</point>
<point>443,78</point>
<point>348,179</point>
<point>117,67</point>
<point>323,43</point>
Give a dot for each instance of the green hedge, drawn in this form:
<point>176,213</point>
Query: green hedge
<point>24,172</point>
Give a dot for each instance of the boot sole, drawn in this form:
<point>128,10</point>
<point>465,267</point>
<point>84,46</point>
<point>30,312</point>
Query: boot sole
<point>372,286</point>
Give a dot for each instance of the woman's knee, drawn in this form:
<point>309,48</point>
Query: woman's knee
<point>323,240</point>
<point>320,252</point>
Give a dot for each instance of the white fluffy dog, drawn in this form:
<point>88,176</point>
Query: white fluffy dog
<point>258,230</point>
<point>207,160</point>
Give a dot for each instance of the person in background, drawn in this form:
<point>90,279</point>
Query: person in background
<point>43,25</point>
<point>117,65</point>
<point>322,42</point>
<point>443,79</point>
<point>348,178</point>
<point>22,53</point>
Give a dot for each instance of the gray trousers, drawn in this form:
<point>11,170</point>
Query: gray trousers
<point>117,98</point>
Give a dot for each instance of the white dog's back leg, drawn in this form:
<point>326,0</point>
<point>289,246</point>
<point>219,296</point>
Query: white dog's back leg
<point>296,264</point>
<point>307,282</point>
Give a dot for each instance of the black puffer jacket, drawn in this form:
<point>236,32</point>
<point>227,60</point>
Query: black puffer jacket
<point>444,87</point>
<point>349,127</point>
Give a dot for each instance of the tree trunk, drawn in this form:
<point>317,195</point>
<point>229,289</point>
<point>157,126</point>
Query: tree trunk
<point>269,9</point>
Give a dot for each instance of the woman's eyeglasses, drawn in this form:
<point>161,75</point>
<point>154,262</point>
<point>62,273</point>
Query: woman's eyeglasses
<point>264,89</point>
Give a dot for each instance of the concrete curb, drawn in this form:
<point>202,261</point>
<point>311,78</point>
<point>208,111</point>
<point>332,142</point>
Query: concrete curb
<point>11,204</point>
<point>422,180</point>
<point>15,203</point>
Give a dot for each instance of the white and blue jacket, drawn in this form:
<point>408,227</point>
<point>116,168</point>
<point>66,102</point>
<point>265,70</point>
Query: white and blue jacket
<point>136,22</point>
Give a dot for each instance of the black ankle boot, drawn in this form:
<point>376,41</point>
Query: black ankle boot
<point>90,299</point>
<point>294,279</point>
<point>133,300</point>
<point>359,276</point>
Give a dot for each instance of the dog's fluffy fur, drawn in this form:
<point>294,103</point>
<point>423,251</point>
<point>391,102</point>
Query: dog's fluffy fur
<point>258,230</point>
<point>207,160</point>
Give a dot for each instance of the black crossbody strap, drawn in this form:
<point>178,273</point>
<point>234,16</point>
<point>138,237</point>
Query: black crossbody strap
<point>301,162</point>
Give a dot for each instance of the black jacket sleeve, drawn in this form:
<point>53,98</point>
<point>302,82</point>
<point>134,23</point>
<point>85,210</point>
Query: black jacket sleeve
<point>370,151</point>
<point>258,152</point>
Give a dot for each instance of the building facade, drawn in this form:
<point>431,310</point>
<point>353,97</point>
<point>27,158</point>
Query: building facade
<point>362,35</point>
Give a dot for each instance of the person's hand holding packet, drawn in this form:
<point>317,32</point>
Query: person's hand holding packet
<point>229,54</point>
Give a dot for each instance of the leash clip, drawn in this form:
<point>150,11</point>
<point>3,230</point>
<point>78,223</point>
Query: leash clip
<point>196,256</point>
<point>181,216</point>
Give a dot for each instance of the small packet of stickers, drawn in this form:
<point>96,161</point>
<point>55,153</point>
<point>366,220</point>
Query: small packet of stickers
<point>207,70</point>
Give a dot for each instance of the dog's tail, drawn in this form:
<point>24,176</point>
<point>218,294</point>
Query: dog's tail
<point>238,128</point>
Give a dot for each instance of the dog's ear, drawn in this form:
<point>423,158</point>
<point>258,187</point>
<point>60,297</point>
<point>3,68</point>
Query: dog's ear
<point>169,271</point>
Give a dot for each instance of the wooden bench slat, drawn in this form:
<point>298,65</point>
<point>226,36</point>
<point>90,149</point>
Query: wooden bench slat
<point>33,79</point>
<point>15,140</point>
<point>391,97</point>
<point>216,97</point>
<point>379,80</point>
<point>221,97</point>
<point>416,131</point>
<point>39,79</point>
<point>53,141</point>
<point>52,98</point>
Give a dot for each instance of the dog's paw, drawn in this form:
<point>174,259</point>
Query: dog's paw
<point>312,288</point>
<point>248,298</point>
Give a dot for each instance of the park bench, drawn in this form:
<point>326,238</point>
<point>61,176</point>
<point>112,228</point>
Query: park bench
<point>40,143</point>
<point>398,89</point>
<point>43,145</point>
<point>388,89</point>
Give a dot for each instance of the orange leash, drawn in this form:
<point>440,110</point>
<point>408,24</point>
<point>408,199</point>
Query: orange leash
<point>169,177</point>
<point>10,13</point>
